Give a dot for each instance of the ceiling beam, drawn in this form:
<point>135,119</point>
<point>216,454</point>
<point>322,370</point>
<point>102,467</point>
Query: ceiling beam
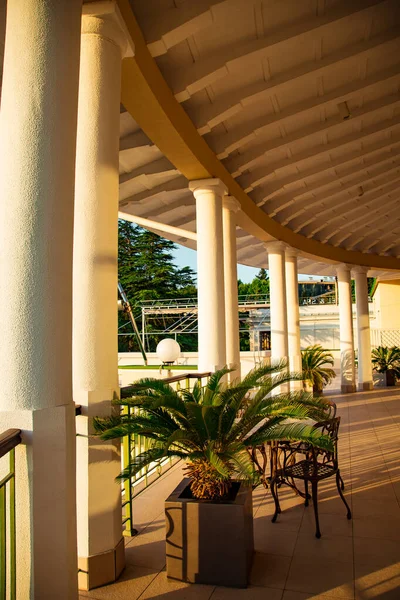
<point>224,144</point>
<point>258,175</point>
<point>161,165</point>
<point>240,163</point>
<point>303,206</point>
<point>164,29</point>
<point>265,193</point>
<point>166,208</point>
<point>348,239</point>
<point>231,103</point>
<point>371,244</point>
<point>162,227</point>
<point>322,219</point>
<point>187,81</point>
<point>327,229</point>
<point>134,140</point>
<point>291,204</point>
<point>178,183</point>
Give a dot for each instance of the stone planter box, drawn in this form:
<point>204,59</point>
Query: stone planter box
<point>209,542</point>
<point>384,379</point>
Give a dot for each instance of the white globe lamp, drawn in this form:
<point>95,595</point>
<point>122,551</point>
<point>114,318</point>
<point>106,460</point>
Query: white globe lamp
<point>168,350</point>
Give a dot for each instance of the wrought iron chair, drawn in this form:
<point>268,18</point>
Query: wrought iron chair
<point>318,465</point>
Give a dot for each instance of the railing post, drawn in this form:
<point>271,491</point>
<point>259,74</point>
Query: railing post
<point>126,453</point>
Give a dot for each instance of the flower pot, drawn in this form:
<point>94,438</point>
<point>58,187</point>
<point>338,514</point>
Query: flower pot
<point>209,542</point>
<point>390,377</point>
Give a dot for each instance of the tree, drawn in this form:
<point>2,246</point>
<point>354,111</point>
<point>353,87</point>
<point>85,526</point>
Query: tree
<point>147,272</point>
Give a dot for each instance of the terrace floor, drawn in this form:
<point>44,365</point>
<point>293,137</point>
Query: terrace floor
<point>358,559</point>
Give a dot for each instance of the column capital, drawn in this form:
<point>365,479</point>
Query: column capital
<point>200,186</point>
<point>103,19</point>
<point>359,269</point>
<point>341,267</point>
<point>231,204</point>
<point>291,252</point>
<point>275,246</point>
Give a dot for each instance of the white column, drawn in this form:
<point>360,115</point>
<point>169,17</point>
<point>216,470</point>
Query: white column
<point>37,157</point>
<point>95,350</point>
<point>210,273</point>
<point>347,367</point>
<point>230,207</point>
<point>278,310</point>
<point>365,381</point>
<point>293,316</point>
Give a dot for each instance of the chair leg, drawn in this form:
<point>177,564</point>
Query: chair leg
<point>314,487</point>
<point>341,483</point>
<point>274,492</point>
<point>339,487</point>
<point>307,495</point>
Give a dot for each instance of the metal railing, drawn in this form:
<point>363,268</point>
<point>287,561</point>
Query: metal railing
<point>8,577</point>
<point>133,445</point>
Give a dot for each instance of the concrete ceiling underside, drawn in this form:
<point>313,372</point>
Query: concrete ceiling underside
<point>298,100</point>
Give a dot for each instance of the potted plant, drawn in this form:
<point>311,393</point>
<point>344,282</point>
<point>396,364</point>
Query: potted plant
<point>209,515</point>
<point>387,361</point>
<point>315,373</point>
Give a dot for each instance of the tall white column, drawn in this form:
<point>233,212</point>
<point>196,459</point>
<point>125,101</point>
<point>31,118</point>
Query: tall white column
<point>230,207</point>
<point>293,315</point>
<point>347,367</point>
<point>365,381</point>
<point>210,273</point>
<point>278,310</point>
<point>95,349</point>
<point>37,162</point>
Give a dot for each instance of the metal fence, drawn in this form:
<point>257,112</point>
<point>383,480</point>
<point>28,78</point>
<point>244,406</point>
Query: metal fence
<point>133,445</point>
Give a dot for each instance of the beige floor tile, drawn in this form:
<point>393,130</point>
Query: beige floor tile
<point>289,595</point>
<point>163,588</point>
<point>367,504</point>
<point>377,527</point>
<point>327,548</point>
<point>269,570</point>
<point>319,576</point>
<point>272,538</point>
<point>131,584</point>
<point>373,583</point>
<point>148,548</point>
<point>251,593</point>
<point>330,524</point>
<point>376,552</point>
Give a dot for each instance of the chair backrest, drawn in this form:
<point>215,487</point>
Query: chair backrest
<point>330,409</point>
<point>330,427</point>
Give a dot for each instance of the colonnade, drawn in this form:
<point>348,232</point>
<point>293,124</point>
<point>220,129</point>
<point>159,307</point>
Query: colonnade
<point>218,300</point>
<point>58,226</point>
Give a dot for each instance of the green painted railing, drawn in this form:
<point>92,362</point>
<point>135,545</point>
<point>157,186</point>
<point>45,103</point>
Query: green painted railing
<point>8,577</point>
<point>133,445</point>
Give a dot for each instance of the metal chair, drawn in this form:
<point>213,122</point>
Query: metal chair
<point>318,465</point>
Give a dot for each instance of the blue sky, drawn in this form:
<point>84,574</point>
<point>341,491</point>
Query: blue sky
<point>185,257</point>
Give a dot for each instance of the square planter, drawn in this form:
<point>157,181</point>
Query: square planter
<point>209,542</point>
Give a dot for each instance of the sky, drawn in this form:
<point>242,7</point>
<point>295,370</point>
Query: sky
<point>185,257</point>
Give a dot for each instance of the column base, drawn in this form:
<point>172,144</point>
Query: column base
<point>365,386</point>
<point>348,388</point>
<point>100,569</point>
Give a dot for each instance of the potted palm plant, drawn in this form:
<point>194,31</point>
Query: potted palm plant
<point>209,515</point>
<point>387,361</point>
<point>315,372</point>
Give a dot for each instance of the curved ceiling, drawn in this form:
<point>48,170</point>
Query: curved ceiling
<point>295,105</point>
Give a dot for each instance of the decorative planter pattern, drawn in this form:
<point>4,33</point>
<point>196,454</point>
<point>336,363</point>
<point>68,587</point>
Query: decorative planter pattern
<point>209,542</point>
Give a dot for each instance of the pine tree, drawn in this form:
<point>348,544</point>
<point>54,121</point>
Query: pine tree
<point>147,272</point>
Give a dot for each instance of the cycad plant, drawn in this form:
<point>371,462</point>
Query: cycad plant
<point>212,427</point>
<point>387,360</point>
<point>315,372</point>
